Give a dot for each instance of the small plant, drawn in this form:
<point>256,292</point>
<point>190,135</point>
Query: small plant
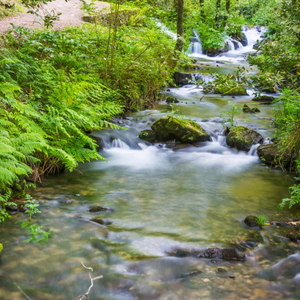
<point>1,248</point>
<point>295,196</point>
<point>32,207</point>
<point>230,115</point>
<point>37,235</point>
<point>261,220</point>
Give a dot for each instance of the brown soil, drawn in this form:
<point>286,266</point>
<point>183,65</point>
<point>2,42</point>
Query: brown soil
<point>71,15</point>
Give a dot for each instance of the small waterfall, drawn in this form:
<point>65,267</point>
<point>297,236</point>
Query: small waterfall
<point>252,151</point>
<point>164,29</point>
<point>195,46</point>
<point>233,44</point>
<point>203,77</point>
<point>117,143</point>
<point>254,34</point>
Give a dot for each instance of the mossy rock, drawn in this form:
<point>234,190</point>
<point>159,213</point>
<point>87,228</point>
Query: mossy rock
<point>170,99</point>
<point>252,221</point>
<point>231,91</point>
<point>242,138</point>
<point>247,109</point>
<point>148,136</point>
<point>184,131</point>
<point>236,91</point>
<point>271,155</point>
<point>263,99</point>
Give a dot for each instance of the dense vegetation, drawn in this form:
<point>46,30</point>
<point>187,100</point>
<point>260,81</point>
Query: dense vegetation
<point>56,87</point>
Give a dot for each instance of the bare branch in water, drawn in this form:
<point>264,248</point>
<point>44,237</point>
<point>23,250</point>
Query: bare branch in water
<point>86,295</point>
<point>22,291</point>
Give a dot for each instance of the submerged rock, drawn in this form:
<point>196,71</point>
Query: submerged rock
<point>100,221</point>
<point>251,221</point>
<point>226,254</point>
<point>96,208</point>
<point>185,131</point>
<point>191,274</point>
<point>230,254</point>
<point>263,98</point>
<point>247,109</point>
<point>221,270</point>
<point>272,155</point>
<point>242,138</point>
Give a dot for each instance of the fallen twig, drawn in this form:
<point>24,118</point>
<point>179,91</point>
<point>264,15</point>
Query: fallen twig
<point>86,295</point>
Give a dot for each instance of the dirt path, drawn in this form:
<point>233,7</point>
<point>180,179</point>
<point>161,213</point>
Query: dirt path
<point>71,15</point>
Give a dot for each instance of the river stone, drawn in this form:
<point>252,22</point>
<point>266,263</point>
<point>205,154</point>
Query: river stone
<point>184,131</point>
<point>251,221</point>
<point>148,136</point>
<point>226,254</point>
<point>100,221</point>
<point>263,98</point>
<point>247,109</point>
<point>242,138</point>
<point>98,140</point>
<point>170,99</point>
<point>270,154</point>
<point>96,208</point>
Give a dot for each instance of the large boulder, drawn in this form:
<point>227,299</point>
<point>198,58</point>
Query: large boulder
<point>271,154</point>
<point>184,131</point>
<point>242,138</point>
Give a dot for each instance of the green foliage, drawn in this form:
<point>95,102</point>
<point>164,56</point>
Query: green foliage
<point>230,114</point>
<point>295,196</point>
<point>1,248</point>
<point>32,207</point>
<point>10,8</point>
<point>261,220</point>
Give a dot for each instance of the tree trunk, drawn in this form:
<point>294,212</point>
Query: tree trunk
<point>227,10</point>
<point>218,6</point>
<point>180,42</point>
<point>202,9</point>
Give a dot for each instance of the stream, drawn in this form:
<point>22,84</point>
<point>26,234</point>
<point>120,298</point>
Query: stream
<point>160,199</point>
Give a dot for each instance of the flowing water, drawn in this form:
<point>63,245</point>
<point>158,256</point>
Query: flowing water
<point>160,198</point>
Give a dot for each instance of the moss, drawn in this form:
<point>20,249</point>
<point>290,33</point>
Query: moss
<point>236,91</point>
<point>148,136</point>
<point>271,154</point>
<point>243,138</point>
<point>184,131</point>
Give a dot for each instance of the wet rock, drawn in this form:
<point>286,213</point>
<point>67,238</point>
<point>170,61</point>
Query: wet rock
<point>247,109</point>
<point>293,237</point>
<point>101,221</point>
<point>226,254</point>
<point>251,221</point>
<point>11,208</point>
<point>217,120</point>
<point>98,140</point>
<point>96,208</point>
<point>264,98</point>
<point>272,155</point>
<point>226,131</point>
<point>191,274</point>
<point>185,131</point>
<point>65,201</point>
<point>170,99</point>
<point>242,138</point>
<point>215,261</point>
<point>22,208</point>
<point>231,277</point>
<point>148,135</point>
<point>221,270</point>
<point>182,78</point>
<point>243,39</point>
